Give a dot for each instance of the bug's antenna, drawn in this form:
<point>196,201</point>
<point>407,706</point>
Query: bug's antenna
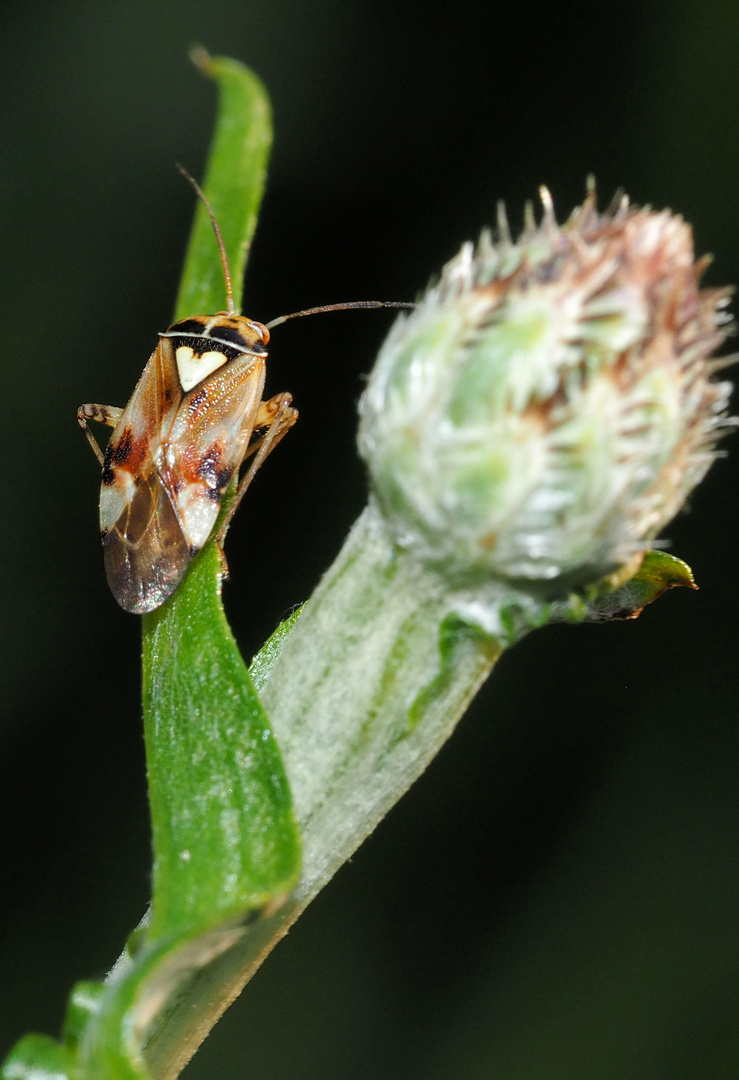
<point>338,307</point>
<point>216,229</point>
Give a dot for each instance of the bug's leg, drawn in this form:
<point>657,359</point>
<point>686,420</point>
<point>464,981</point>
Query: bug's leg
<point>265,419</point>
<point>278,416</point>
<point>104,414</point>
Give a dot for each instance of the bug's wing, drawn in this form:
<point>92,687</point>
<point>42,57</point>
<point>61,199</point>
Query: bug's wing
<point>147,419</point>
<point>208,441</point>
<point>146,553</point>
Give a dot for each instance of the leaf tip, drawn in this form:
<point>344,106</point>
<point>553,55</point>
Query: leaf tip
<point>201,58</point>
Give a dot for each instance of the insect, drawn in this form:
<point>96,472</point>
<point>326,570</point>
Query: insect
<point>195,416</point>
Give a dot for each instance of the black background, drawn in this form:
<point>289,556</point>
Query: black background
<point>558,896</point>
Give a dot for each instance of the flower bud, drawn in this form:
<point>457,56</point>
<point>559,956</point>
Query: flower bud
<point>548,406</point>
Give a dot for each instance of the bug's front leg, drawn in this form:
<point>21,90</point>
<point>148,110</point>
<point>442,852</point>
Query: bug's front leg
<point>103,414</point>
<point>276,415</point>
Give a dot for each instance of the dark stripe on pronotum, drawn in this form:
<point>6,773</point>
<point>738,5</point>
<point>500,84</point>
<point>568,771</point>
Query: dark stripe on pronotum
<point>228,333</point>
<point>188,326</point>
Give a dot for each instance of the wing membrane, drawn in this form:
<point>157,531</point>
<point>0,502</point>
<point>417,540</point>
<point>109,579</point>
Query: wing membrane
<point>146,553</point>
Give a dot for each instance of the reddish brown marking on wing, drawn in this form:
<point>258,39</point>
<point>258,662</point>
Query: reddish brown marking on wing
<point>129,453</point>
<point>206,466</point>
<point>213,471</point>
<point>201,474</point>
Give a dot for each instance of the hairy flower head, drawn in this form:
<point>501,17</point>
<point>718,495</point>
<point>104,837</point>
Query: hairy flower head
<point>548,406</point>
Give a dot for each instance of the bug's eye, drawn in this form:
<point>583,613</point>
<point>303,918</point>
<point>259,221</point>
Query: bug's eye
<point>262,330</point>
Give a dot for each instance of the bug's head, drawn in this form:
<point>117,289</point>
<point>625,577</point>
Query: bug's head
<point>203,332</point>
<point>204,343</point>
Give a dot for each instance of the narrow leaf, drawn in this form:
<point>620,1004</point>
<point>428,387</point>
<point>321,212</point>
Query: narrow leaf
<point>234,184</point>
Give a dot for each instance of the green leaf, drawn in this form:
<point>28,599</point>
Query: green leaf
<point>234,184</point>
<point>225,839</point>
<point>37,1057</point>
<point>657,573</point>
<point>84,1002</point>
<point>262,664</point>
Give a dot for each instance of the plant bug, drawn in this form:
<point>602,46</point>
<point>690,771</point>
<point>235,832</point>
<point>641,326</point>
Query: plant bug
<point>194,417</point>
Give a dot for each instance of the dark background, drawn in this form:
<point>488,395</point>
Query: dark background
<point>558,896</point>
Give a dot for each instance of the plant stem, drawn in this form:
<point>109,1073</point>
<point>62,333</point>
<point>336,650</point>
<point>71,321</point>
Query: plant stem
<point>361,697</point>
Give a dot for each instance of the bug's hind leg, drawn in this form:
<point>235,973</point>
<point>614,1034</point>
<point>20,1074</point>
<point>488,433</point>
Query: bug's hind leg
<point>278,416</point>
<point>103,414</point>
